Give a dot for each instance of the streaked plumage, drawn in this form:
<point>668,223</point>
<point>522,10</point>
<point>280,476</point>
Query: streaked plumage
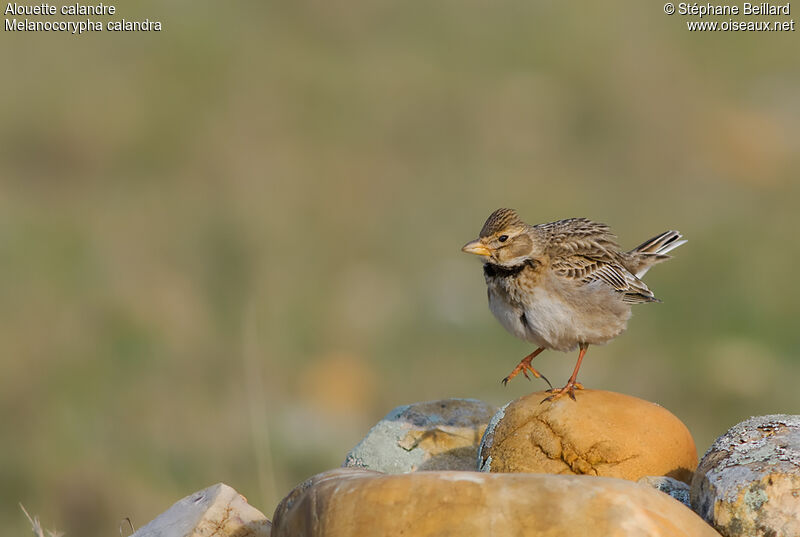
<point>565,284</point>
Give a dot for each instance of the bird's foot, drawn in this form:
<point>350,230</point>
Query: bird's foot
<point>523,367</point>
<point>569,389</point>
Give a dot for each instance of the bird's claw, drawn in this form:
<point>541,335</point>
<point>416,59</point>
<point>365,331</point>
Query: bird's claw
<point>569,390</point>
<point>524,368</point>
<point>547,381</point>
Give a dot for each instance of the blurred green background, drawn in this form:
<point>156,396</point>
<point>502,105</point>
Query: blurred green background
<point>228,248</point>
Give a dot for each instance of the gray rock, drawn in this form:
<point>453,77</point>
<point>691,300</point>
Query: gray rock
<point>677,489</point>
<point>748,483</point>
<point>435,435</point>
<point>218,510</point>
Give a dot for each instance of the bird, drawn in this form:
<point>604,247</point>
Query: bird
<point>563,285</point>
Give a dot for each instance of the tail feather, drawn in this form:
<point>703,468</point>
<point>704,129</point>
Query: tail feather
<point>653,251</point>
<point>661,244</point>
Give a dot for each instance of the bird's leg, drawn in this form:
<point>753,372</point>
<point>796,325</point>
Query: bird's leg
<point>572,384</point>
<point>524,366</point>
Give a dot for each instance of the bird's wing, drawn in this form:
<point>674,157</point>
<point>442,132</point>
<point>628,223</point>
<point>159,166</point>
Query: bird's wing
<point>587,251</point>
<point>606,269</point>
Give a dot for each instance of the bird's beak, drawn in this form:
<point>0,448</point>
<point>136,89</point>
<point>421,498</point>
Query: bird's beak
<point>477,248</point>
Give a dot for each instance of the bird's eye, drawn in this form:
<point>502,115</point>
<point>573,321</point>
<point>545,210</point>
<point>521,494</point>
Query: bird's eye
<point>502,238</point>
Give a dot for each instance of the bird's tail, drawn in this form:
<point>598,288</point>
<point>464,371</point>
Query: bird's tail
<point>652,251</point>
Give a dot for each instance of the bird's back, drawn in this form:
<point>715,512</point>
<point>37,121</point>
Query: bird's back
<point>577,236</point>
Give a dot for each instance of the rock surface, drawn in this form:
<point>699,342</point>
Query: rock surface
<point>217,511</point>
<point>355,502</point>
<point>602,433</point>
<point>748,482</point>
<point>435,435</point>
<point>677,489</point>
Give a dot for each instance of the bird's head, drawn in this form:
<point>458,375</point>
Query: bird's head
<point>504,240</point>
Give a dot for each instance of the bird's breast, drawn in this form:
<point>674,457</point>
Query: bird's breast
<point>542,313</point>
<point>510,292</point>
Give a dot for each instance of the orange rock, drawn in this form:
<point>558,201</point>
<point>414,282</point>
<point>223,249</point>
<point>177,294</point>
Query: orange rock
<point>354,502</point>
<point>602,433</point>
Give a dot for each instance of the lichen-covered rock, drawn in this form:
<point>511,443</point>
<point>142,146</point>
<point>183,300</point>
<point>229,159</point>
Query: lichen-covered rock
<point>435,435</point>
<point>677,489</point>
<point>361,503</point>
<point>602,433</point>
<point>748,483</point>
<point>218,510</point>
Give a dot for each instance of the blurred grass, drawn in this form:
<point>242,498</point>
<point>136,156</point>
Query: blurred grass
<point>228,248</point>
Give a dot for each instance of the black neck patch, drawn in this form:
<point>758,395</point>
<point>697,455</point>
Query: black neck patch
<point>490,270</point>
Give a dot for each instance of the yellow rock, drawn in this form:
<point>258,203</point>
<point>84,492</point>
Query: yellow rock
<point>362,503</point>
<point>601,433</point>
